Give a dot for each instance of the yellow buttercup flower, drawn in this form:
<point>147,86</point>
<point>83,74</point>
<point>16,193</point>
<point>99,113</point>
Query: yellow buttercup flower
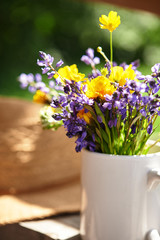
<point>86,116</point>
<point>129,73</point>
<point>104,71</point>
<point>110,22</point>
<point>98,87</point>
<point>40,97</point>
<point>118,74</point>
<point>70,73</point>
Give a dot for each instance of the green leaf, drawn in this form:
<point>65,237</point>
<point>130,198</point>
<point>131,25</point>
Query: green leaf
<point>104,135</point>
<point>98,111</point>
<point>100,136</point>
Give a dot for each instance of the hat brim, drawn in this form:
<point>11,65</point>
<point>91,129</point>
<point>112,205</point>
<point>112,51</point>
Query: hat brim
<point>64,199</point>
<point>39,169</point>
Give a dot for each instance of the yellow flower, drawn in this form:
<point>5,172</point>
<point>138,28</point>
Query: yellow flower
<point>40,97</point>
<point>118,74</point>
<point>70,73</point>
<point>98,87</point>
<point>110,22</point>
<point>86,116</point>
<point>104,71</point>
<point>129,73</point>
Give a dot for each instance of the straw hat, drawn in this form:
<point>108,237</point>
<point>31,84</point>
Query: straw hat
<point>39,169</point>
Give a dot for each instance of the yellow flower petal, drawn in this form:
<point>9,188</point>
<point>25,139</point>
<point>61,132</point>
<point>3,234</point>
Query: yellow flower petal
<point>70,73</point>
<point>40,97</point>
<point>104,71</point>
<point>116,74</point>
<point>119,75</point>
<point>110,22</point>
<point>86,116</point>
<point>103,19</point>
<point>99,87</point>
<point>129,73</point>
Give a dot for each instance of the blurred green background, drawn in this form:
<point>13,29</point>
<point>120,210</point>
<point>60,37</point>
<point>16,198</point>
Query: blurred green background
<point>65,29</point>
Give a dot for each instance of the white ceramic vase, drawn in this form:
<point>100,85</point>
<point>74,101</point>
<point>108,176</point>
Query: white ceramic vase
<point>120,196</point>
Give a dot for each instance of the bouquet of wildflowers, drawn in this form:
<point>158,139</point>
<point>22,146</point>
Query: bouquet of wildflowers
<point>113,110</point>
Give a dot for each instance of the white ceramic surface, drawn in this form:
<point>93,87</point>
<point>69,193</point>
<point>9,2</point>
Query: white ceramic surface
<point>120,196</point>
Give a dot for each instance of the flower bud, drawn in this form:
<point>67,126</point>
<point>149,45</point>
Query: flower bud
<point>59,63</point>
<point>99,49</point>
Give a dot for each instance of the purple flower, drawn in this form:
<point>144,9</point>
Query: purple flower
<point>110,123</point>
<point>133,129</point>
<point>89,58</point>
<point>80,144</point>
<point>31,89</point>
<point>143,112</point>
<point>58,80</point>
<point>55,103</point>
<point>145,100</point>
<point>67,89</point>
<point>156,89</point>
<point>114,64</point>
<point>116,95</point>
<point>156,68</point>
<point>26,79</point>
<point>91,146</point>
<point>62,99</point>
<point>93,137</point>
<point>45,70</point>
<point>96,60</point>
<point>84,88</point>
<point>40,85</point>
<point>99,119</point>
<point>90,53</point>
<point>46,61</point>
<point>124,65</point>
<point>30,77</point>
<point>51,84</point>
<point>117,104</point>
<point>51,74</point>
<point>42,54</point>
<point>123,113</point>
<point>57,116</point>
<point>38,77</point>
<point>23,79</point>
<point>135,64</point>
<point>86,60</point>
<point>59,88</point>
<point>129,106</point>
<point>115,122</point>
<point>107,105</point>
<point>59,63</point>
<point>95,73</point>
<point>150,128</point>
<point>152,83</point>
<point>137,86</point>
<point>108,66</point>
<point>45,89</point>
<point>41,63</point>
<point>141,77</point>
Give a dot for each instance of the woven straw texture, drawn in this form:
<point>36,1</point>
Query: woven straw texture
<point>39,169</point>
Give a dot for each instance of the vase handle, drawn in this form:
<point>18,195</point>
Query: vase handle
<point>153,178</point>
<point>153,235</point>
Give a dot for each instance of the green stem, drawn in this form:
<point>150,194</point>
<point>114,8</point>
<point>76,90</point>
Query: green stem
<point>111,49</point>
<point>57,73</point>
<point>99,49</point>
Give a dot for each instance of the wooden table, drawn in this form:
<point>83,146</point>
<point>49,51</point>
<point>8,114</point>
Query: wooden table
<point>62,227</point>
